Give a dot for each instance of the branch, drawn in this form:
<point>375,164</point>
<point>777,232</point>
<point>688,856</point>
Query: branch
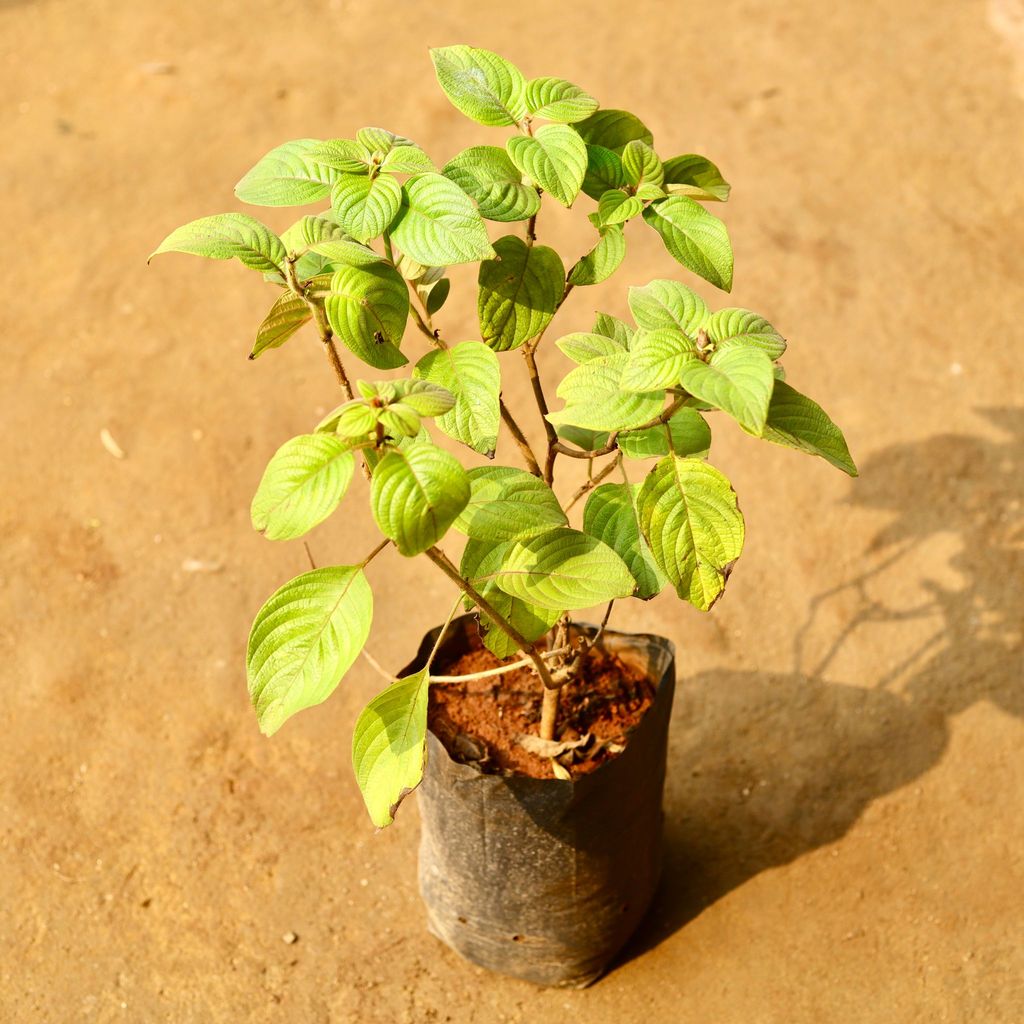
<point>594,481</point>
<point>612,443</point>
<point>520,438</point>
<point>440,559</point>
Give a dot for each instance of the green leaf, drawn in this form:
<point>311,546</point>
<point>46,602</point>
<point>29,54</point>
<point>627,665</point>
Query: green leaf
<point>508,504</point>
<point>796,421</point>
<point>309,230</point>
<point>389,746</point>
<point>347,253</point>
<point>686,433</point>
<point>365,206</point>
<point>302,485</point>
<point>438,225</point>
<point>736,380</point>
<point>563,570</point>
<point>416,493</point>
<point>594,397</point>
<point>470,371</point>
<point>227,235</point>
<point>656,359</point>
<point>616,207</point>
<point>695,238</point>
<point>602,261</point>
<point>688,514</point>
<point>583,348</point>
<point>287,176</point>
<point>394,153</point>
<point>344,155</point>
<point>558,100</point>
<point>609,326</point>
<point>353,419</point>
<point>641,164</point>
<point>554,158</point>
<point>610,516</point>
<point>519,291</point>
<point>400,420</point>
<point>367,308</point>
<point>735,326</point>
<point>648,190</point>
<point>485,87</point>
<point>668,304</point>
<point>428,398</point>
<point>286,316</point>
<point>436,294</point>
<point>304,639</point>
<point>480,561</point>
<point>587,440</point>
<point>487,175</point>
<point>604,172</point>
<point>698,175</point>
<point>614,130</point>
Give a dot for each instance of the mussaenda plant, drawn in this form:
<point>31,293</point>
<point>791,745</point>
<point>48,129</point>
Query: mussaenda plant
<point>376,257</point>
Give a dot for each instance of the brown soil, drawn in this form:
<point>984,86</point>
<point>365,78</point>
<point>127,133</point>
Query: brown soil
<point>482,721</point>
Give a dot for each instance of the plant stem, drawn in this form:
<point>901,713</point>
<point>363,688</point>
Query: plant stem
<point>548,714</point>
<point>441,560</point>
<point>664,417</point>
<point>520,438</point>
<point>500,670</point>
<point>374,553</point>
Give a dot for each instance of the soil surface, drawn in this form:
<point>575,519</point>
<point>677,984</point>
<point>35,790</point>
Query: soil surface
<point>846,777</point>
<point>492,722</point>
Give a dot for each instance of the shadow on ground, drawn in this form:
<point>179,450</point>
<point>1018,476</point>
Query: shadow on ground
<point>772,766</point>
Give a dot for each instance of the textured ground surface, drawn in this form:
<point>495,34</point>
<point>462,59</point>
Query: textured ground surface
<point>846,782</point>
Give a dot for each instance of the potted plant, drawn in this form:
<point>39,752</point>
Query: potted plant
<point>541,740</point>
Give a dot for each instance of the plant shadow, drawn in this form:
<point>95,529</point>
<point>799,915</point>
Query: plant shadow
<point>766,767</point>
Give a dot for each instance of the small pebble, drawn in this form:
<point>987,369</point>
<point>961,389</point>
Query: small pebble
<point>290,938</point>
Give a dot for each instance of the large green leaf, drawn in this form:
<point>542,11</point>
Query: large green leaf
<point>796,421</point>
<point>555,99</point>
<point>345,155</point>
<point>227,235</point>
<point>610,516</point>
<point>367,308</point>
<point>484,86</point>
<point>470,371</point>
<point>664,303</point>
<point>686,433</point>
<point>641,164</point>
<point>563,570</point>
<point>365,206</point>
<point>519,291</point>
<point>416,493</point>
<point>487,175</point>
<point>304,639</point>
<point>594,397</point>
<point>346,253</point>
<point>388,745</point>
<point>696,176</point>
<point>286,316</point>
<point>688,514</point>
<point>554,158</point>
<point>508,504</point>
<point>302,485</point>
<point>480,561</point>
<point>604,172</point>
<point>438,225</point>
<point>741,327</point>
<point>613,130</point>
<point>287,176</point>
<point>656,359</point>
<point>582,348</point>
<point>736,380</point>
<point>695,238</point>
<point>603,260</point>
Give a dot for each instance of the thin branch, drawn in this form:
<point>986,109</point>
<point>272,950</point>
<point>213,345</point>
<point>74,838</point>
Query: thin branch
<point>520,438</point>
<point>606,471</point>
<point>374,553</point>
<point>612,443</point>
<point>377,666</point>
<point>441,560</point>
<point>500,670</point>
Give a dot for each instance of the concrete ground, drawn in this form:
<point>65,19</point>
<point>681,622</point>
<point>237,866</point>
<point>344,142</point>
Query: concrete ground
<point>846,779</point>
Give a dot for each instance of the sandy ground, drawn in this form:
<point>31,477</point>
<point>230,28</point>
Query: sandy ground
<point>846,779</point>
